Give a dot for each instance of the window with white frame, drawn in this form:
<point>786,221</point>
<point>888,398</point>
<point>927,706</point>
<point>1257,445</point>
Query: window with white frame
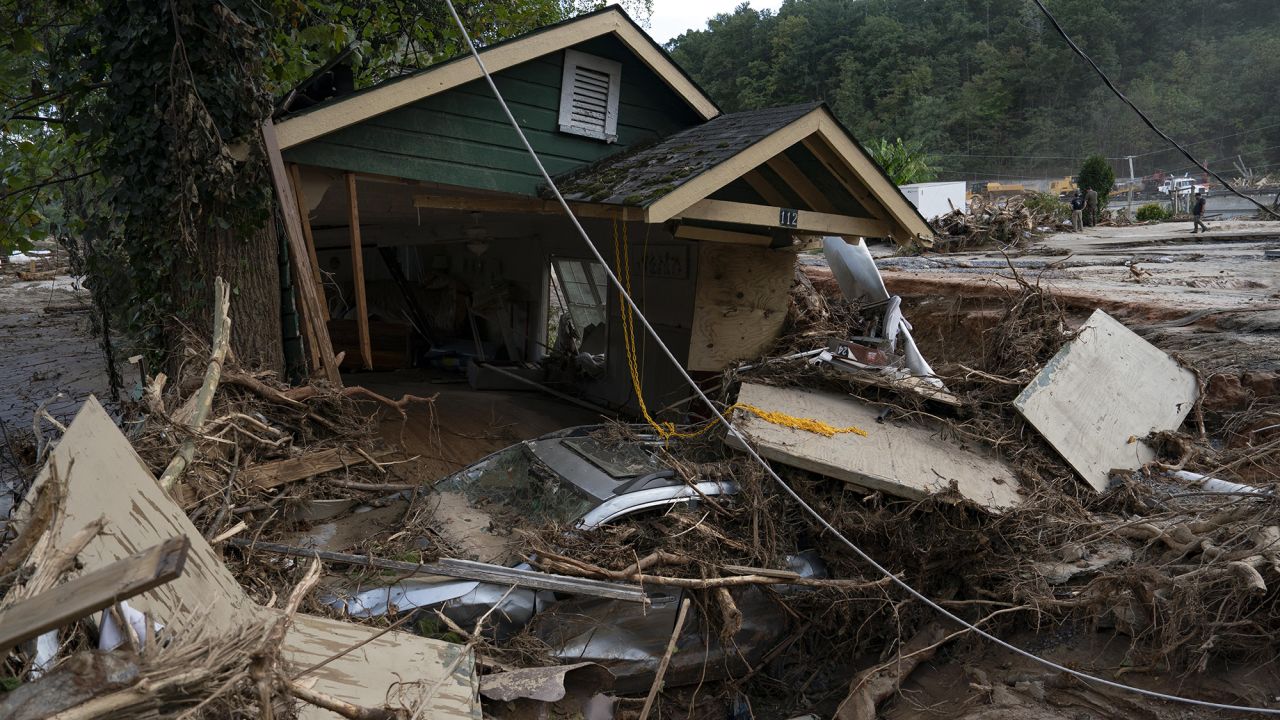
<point>589,96</point>
<point>578,288</point>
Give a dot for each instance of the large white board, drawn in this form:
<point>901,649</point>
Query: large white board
<point>1102,393</point>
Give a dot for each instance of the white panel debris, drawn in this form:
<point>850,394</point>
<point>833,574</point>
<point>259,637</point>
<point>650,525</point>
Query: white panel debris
<point>1101,394</point>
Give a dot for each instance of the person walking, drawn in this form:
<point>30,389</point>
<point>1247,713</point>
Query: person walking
<point>1077,211</point>
<point>1197,213</point>
<point>1091,207</point>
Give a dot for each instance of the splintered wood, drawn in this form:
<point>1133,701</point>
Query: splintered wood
<point>206,601</point>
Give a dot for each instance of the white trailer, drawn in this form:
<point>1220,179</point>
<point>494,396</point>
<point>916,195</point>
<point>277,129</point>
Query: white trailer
<point>931,199</point>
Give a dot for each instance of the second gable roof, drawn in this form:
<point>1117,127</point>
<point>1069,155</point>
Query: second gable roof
<point>348,110</point>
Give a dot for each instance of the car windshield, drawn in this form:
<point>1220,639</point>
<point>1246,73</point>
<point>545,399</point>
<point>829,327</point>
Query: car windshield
<point>513,482</point>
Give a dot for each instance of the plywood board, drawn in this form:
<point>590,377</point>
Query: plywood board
<point>904,460</point>
<point>1102,392</point>
<point>105,477</point>
<point>740,303</point>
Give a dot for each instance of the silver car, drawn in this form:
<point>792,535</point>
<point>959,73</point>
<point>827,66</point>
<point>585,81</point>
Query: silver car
<point>577,479</point>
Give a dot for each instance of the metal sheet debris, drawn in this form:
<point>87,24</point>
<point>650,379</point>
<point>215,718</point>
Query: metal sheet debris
<point>1101,394</point>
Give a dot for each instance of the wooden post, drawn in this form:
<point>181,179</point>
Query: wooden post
<point>313,324</point>
<point>304,215</point>
<point>357,270</point>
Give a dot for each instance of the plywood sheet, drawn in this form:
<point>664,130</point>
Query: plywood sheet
<point>905,460</point>
<point>105,477</point>
<point>740,304</point>
<point>1101,392</point>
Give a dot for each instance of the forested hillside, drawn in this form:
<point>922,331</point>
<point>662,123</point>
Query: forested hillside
<point>992,91</point>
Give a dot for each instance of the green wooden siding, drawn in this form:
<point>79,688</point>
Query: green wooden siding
<point>461,137</point>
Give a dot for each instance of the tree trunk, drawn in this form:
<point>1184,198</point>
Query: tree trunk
<point>251,266</point>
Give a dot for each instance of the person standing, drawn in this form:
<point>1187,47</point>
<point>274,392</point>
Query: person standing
<point>1197,213</point>
<point>1077,211</point>
<point>1091,207</point>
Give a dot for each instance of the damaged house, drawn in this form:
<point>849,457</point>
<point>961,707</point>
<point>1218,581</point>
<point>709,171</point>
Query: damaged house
<point>432,240</point>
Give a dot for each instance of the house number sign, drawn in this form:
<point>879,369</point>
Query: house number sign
<point>788,218</point>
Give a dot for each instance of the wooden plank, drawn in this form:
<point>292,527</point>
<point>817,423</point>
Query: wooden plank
<point>1102,389</point>
<point>740,303</point>
<point>391,95</point>
<point>896,458</point>
<point>278,472</point>
<point>357,270</point>
<point>704,184</point>
<point>108,478</point>
<point>807,221</point>
<point>317,335</point>
<point>92,592</point>
<point>464,569</point>
<point>765,189</point>
<point>693,232</point>
<point>801,185</point>
<point>304,215</point>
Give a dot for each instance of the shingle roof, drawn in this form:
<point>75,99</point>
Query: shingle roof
<point>644,175</point>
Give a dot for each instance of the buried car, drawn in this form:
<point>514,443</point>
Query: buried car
<point>575,479</point>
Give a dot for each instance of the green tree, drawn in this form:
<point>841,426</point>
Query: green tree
<point>1096,174</point>
<point>994,93</point>
<point>122,122</point>
<point>903,162</point>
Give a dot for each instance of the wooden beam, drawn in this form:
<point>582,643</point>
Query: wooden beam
<point>802,185</point>
<point>693,232</point>
<point>852,185</point>
<point>341,113</point>
<point>313,324</point>
<point>807,221</point>
<point>765,189</point>
<point>895,204</point>
<point>357,271</point>
<point>90,593</point>
<point>464,569</point>
<point>304,214</point>
<point>702,185</point>
<point>526,206</point>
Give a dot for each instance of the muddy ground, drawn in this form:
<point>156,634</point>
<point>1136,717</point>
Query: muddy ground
<point>1214,299</point>
<point>50,355</point>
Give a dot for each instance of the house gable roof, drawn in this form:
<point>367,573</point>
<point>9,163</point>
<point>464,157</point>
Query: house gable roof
<point>348,110</point>
<point>647,174</point>
<point>748,149</point>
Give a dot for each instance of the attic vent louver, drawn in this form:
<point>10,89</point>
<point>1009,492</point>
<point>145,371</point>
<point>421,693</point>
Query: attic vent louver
<point>589,96</point>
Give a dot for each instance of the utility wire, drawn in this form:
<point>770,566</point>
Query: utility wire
<point>1057,26</point>
<point>1201,142</point>
<point>635,308</point>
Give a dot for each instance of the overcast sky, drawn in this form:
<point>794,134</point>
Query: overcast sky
<point>672,17</point>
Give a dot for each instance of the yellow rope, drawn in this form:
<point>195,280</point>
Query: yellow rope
<point>667,430</point>
<point>799,423</point>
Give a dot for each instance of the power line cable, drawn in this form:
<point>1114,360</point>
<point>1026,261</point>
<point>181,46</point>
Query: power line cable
<point>1201,142</point>
<point>635,308</point>
<point>1057,26</point>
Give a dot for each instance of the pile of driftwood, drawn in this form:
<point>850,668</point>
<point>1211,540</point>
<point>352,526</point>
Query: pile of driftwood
<point>1004,221</point>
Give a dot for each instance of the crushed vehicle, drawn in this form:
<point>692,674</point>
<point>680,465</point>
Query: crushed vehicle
<point>576,479</point>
